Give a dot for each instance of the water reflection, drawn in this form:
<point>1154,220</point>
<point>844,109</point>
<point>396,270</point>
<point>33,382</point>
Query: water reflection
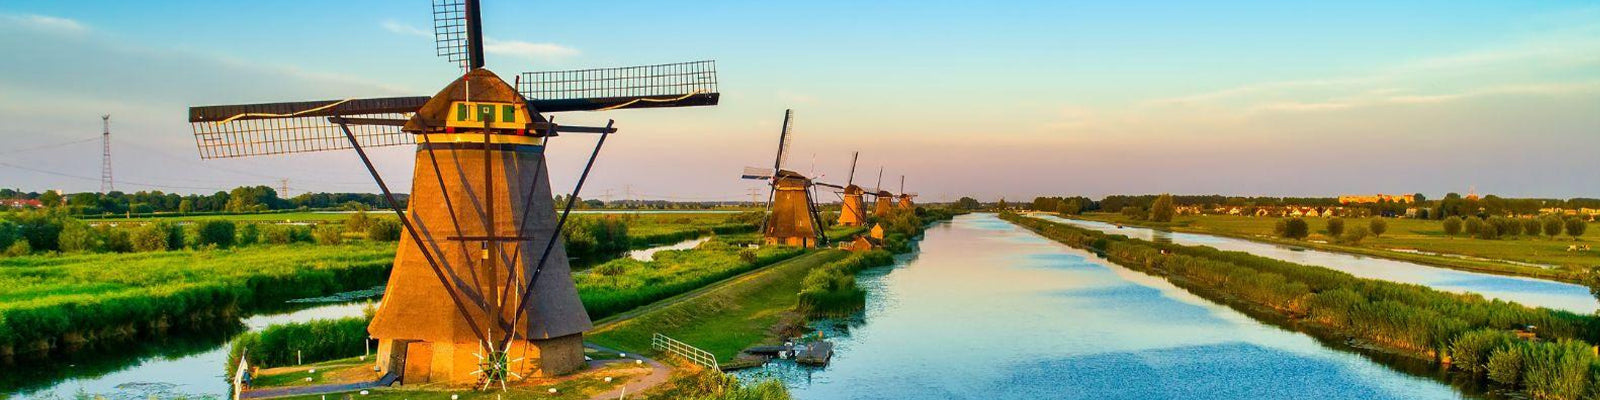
<point>650,253</point>
<point>186,366</point>
<point>988,310</point>
<point>1529,291</point>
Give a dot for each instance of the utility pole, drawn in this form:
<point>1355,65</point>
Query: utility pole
<point>105,157</point>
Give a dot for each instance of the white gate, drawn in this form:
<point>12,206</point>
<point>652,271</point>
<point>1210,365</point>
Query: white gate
<point>692,354</point>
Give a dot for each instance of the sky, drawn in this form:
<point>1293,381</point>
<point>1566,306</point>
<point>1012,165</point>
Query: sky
<point>980,99</point>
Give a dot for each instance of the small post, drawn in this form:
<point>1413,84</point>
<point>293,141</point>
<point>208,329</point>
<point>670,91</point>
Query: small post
<point>297,359</point>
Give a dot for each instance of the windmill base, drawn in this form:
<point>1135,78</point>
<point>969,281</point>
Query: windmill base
<point>456,363</point>
<point>796,241</point>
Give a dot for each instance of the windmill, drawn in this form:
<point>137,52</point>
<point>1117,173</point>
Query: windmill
<point>882,199</point>
<point>792,217</point>
<point>852,210</point>
<point>481,289</point>
<point>905,197</point>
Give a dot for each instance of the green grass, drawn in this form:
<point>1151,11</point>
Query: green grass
<point>295,216</point>
<point>623,284</point>
<point>725,319</point>
<point>1423,235</point>
<point>46,300</point>
<point>320,373</point>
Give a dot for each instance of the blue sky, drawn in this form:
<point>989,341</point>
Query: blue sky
<point>966,98</point>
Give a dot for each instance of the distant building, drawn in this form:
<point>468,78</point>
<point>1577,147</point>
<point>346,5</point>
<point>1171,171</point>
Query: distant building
<point>1377,198</point>
<point>21,203</point>
<point>1186,210</point>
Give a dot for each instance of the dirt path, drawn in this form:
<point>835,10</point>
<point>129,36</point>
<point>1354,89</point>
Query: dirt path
<point>658,374</point>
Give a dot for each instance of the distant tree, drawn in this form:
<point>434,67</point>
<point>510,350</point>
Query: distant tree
<point>968,203</point>
<point>1452,226</point>
<point>1280,228</point>
<point>1378,226</point>
<point>1135,213</point>
<point>1002,204</point>
<point>384,230</point>
<point>1473,225</point>
<point>1486,230</point>
<point>1418,198</point>
<point>1505,226</point>
<point>1296,229</point>
<point>78,237</point>
<point>1335,227</point>
<point>1575,227</point>
<point>185,206</point>
<point>1162,209</point>
<point>50,198</point>
<point>150,237</point>
<point>328,234</point>
<point>216,232</point>
<point>1354,235</point>
<point>1070,207</point>
<point>358,221</point>
<point>1552,226</point>
<point>1531,227</point>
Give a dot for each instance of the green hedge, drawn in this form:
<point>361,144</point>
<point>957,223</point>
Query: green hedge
<point>301,342</point>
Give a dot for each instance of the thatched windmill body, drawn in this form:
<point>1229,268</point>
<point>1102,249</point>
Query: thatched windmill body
<point>792,217</point>
<point>883,201</point>
<point>852,208</point>
<point>481,288</point>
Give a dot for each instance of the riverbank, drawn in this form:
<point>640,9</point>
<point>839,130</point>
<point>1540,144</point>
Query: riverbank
<point>1423,241</point>
<point>57,303</point>
<point>1403,319</point>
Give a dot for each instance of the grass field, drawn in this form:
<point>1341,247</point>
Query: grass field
<point>1422,235</point>
<point>49,300</point>
<point>725,319</point>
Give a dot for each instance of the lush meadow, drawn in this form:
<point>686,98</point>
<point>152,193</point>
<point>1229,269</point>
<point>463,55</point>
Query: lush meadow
<point>1411,236</point>
<point>54,300</point>
<point>1465,331</point>
<point>624,283</point>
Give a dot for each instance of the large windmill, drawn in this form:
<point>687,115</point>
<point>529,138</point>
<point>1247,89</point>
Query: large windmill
<point>792,217</point>
<point>852,210</point>
<point>481,290</point>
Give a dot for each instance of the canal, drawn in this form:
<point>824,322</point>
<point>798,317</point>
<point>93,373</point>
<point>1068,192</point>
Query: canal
<point>987,309</point>
<point>1528,291</point>
<point>182,367</point>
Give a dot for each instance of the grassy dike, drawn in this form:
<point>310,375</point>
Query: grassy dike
<point>1465,331</point>
<point>724,319</point>
<point>1423,235</point>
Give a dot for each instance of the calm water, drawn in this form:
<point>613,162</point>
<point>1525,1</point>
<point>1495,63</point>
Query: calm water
<point>1529,291</point>
<point>650,253</point>
<point>192,370</point>
<point>989,310</point>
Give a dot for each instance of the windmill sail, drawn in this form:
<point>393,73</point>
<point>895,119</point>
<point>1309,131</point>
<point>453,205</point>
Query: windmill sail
<point>646,86</point>
<point>757,173</point>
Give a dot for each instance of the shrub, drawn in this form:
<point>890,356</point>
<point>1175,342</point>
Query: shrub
<point>831,289</point>
<point>78,237</point>
<point>1531,227</point>
<point>1378,226</point>
<point>114,240</point>
<point>328,234</point>
<point>1470,351</point>
<point>1552,226</point>
<point>1486,230</point>
<point>215,232</point>
<point>1556,370</point>
<point>249,234</point>
<point>41,228</point>
<point>1473,225</point>
<point>10,233</point>
<point>20,248</point>
<point>384,230</point>
<point>1505,226</point>
<point>1295,228</point>
<point>1353,235</point>
<point>150,237</point>
<point>1335,228</point>
<point>589,236</point>
<point>1161,209</point>
<point>1135,213</point>
<point>1452,226</point>
<point>1505,365</point>
<point>1575,227</point>
<point>357,222</point>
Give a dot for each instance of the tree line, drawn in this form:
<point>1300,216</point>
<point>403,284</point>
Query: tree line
<point>243,199</point>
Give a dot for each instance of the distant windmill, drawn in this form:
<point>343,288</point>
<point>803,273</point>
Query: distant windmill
<point>905,197</point>
<point>883,200</point>
<point>483,274</point>
<point>852,210</point>
<point>793,218</point>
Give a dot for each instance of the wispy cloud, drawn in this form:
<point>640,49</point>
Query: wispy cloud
<point>516,48</point>
<point>398,28</point>
<point>44,22</point>
<point>512,48</point>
